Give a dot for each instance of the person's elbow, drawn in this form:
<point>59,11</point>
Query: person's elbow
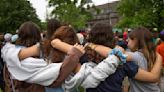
<point>20,56</point>
<point>53,42</point>
<point>155,79</point>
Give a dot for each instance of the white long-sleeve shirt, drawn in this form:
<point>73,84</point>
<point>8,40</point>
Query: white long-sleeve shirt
<point>90,75</point>
<point>32,70</point>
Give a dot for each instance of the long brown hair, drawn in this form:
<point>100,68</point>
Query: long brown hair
<point>65,34</point>
<point>145,43</point>
<point>101,34</point>
<point>52,25</point>
<point>28,35</point>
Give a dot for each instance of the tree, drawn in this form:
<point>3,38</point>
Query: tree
<point>68,11</point>
<point>14,12</point>
<point>149,13</point>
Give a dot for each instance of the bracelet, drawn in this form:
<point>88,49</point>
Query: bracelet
<point>94,48</point>
<point>91,45</point>
<point>37,44</point>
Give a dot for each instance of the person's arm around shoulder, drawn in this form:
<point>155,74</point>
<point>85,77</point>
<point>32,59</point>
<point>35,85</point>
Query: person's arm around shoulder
<point>153,75</point>
<point>29,51</point>
<point>69,64</point>
<point>102,50</point>
<point>62,46</point>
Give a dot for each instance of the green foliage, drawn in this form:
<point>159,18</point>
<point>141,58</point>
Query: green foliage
<point>14,12</point>
<point>44,26</point>
<point>67,11</point>
<point>149,13</point>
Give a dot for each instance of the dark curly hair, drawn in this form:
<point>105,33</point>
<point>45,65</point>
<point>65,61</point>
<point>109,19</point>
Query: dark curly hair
<point>101,34</point>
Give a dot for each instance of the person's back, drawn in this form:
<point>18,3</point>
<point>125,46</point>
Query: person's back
<point>20,86</point>
<point>66,34</point>
<point>160,48</point>
<point>114,82</point>
<point>25,39</point>
<point>102,34</point>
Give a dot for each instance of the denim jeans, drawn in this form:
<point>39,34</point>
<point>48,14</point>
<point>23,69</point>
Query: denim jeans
<point>58,89</point>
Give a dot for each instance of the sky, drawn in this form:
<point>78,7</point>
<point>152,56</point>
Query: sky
<point>40,6</point>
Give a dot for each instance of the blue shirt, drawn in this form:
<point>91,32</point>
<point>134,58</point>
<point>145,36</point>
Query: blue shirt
<point>114,82</point>
<point>57,89</point>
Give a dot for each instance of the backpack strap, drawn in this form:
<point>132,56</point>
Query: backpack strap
<point>5,70</point>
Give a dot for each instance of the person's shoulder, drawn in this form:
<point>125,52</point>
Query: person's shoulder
<point>135,54</point>
<point>19,46</point>
<point>131,69</point>
<point>138,54</point>
<point>130,63</point>
<point>160,47</point>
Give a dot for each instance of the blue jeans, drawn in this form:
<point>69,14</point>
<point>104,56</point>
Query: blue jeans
<point>59,89</point>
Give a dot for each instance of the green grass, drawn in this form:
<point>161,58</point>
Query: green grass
<point>81,89</point>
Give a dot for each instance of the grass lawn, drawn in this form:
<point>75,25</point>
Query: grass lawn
<point>81,89</point>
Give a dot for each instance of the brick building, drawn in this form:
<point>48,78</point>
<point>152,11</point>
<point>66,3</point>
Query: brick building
<point>108,14</point>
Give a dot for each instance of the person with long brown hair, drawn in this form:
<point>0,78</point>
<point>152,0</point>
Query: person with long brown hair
<point>52,25</point>
<point>140,42</point>
<point>25,39</point>
<point>31,68</point>
<point>65,34</point>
